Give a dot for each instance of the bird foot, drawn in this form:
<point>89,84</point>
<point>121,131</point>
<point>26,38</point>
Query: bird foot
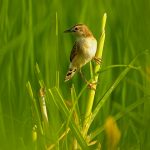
<point>97,60</point>
<point>92,85</point>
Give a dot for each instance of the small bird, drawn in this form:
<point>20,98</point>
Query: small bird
<point>83,50</point>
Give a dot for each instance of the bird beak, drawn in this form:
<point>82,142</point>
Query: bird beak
<point>68,31</point>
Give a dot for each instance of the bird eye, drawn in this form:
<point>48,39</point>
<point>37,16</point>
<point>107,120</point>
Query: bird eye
<point>76,28</point>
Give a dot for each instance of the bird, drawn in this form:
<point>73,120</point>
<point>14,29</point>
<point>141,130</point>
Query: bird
<point>83,51</point>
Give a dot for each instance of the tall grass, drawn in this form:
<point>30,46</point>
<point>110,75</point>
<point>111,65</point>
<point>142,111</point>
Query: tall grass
<point>34,56</point>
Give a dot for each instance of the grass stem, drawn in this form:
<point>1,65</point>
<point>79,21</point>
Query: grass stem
<point>91,94</point>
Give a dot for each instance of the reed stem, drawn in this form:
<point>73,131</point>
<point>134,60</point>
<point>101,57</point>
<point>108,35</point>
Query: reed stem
<point>91,93</point>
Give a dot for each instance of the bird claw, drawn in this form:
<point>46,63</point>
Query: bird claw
<point>98,60</point>
<point>92,85</point>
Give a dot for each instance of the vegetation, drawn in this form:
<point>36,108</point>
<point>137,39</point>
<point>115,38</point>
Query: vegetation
<point>39,111</point>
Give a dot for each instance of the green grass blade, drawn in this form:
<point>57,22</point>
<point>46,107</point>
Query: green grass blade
<point>29,88</point>
<point>111,89</point>
<point>64,110</point>
<point>121,114</point>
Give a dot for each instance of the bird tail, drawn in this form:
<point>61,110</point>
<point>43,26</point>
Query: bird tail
<point>70,73</point>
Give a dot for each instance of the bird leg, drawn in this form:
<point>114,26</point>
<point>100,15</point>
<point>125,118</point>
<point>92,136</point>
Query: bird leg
<point>97,60</point>
<point>90,85</point>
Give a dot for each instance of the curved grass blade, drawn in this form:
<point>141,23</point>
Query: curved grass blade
<point>58,99</point>
<point>120,115</point>
<point>111,89</point>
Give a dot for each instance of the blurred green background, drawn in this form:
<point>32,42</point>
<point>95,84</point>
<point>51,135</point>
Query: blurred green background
<point>31,31</point>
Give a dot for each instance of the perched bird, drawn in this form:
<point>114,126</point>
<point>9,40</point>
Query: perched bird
<point>83,51</point>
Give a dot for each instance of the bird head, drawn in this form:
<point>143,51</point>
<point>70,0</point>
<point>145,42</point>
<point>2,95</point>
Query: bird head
<point>79,30</point>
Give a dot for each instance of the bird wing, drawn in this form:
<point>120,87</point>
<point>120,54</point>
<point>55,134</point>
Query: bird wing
<point>73,51</point>
<point>72,70</point>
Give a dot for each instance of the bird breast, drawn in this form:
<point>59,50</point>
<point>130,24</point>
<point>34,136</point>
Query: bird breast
<point>88,47</point>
